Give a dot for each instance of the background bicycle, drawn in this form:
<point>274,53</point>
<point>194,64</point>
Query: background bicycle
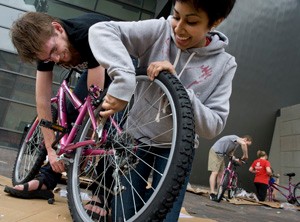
<point>291,192</point>
<point>104,153</point>
<point>229,180</point>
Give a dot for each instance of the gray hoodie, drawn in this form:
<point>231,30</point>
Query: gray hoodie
<point>206,72</point>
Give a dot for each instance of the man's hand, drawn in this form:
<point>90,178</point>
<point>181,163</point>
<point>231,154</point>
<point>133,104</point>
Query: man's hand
<point>239,161</point>
<point>57,166</point>
<point>244,158</point>
<point>112,105</point>
<point>156,67</point>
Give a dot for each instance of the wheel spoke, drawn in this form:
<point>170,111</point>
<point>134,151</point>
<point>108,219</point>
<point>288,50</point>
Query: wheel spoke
<point>30,156</point>
<point>131,180</point>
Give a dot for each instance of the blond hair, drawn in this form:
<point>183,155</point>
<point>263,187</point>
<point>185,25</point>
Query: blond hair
<point>261,153</point>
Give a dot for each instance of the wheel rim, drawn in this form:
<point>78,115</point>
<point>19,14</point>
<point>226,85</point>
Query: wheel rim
<point>77,199</point>
<point>29,152</point>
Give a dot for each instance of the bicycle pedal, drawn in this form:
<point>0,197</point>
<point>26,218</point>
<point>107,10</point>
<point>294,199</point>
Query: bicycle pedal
<point>53,126</point>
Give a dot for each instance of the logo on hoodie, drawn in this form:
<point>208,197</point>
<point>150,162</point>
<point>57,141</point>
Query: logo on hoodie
<point>206,71</point>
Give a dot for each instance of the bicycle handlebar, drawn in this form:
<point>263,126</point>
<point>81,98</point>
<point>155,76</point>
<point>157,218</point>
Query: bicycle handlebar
<point>237,161</point>
<point>234,159</point>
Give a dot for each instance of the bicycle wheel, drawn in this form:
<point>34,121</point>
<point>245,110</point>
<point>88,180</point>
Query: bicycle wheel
<point>297,193</point>
<point>223,186</point>
<point>32,152</point>
<point>169,111</point>
<point>233,189</point>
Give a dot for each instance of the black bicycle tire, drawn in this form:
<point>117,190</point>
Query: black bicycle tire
<point>223,186</point>
<point>31,169</point>
<point>297,188</point>
<point>232,191</point>
<point>179,167</point>
<point>34,167</point>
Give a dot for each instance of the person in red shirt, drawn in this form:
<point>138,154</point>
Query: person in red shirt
<point>262,169</point>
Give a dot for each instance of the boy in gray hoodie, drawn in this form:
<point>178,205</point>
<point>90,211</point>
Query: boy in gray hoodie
<point>185,44</point>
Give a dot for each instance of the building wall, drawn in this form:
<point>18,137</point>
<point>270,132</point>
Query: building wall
<point>15,89</point>
<point>285,149</point>
<point>9,11</point>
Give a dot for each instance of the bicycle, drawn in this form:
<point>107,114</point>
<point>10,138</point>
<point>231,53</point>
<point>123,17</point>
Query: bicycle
<point>112,144</point>
<point>293,195</point>
<point>229,180</point>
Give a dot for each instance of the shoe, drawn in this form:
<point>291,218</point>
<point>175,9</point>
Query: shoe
<point>100,204</point>
<point>212,196</point>
<point>34,194</point>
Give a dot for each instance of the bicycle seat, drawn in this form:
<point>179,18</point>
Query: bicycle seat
<point>290,174</point>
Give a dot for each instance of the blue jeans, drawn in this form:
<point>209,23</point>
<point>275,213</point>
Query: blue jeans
<point>142,170</point>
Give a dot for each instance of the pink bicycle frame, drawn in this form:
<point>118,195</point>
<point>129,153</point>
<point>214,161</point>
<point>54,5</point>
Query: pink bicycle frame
<point>232,174</point>
<point>66,144</point>
<point>275,186</point>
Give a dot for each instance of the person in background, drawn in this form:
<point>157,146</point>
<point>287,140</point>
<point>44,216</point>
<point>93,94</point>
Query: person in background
<point>225,146</point>
<point>185,44</point>
<point>261,167</point>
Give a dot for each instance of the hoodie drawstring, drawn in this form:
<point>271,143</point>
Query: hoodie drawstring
<point>177,58</point>
<point>163,102</point>
<point>187,62</point>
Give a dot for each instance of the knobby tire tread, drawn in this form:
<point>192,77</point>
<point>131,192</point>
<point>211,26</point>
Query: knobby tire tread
<point>184,161</point>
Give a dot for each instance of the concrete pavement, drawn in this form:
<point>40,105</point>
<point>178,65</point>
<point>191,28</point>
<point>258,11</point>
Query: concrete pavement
<point>195,205</point>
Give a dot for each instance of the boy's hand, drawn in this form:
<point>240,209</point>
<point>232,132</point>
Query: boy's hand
<point>112,105</point>
<point>156,67</point>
